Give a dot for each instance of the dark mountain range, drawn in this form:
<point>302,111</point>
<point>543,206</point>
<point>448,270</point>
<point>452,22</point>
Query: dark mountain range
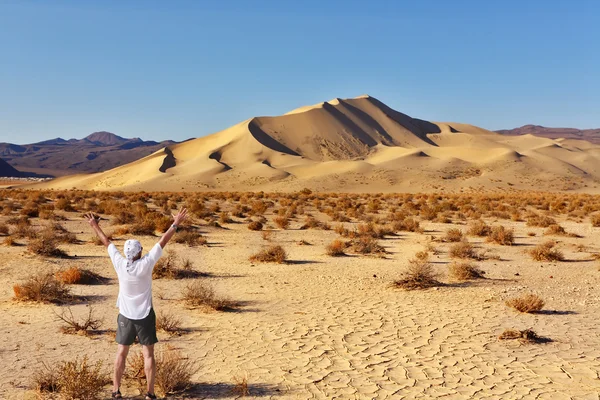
<point>97,152</point>
<point>591,135</point>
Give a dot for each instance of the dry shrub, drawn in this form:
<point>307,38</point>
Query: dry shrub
<point>173,371</point>
<point>526,336</point>
<point>558,230</point>
<point>23,229</point>
<point>44,288</point>
<point>81,276</point>
<point>367,245</point>
<point>240,388</point>
<point>464,271</point>
<point>479,228</point>
<point>172,267</point>
<point>63,204</point>
<point>9,241</point>
<point>540,220</point>
<point>453,235</point>
<point>46,245</point>
<point>407,224</point>
<point>313,223</point>
<point>546,252</point>
<point>3,229</point>
<point>501,235</point>
<point>531,234</point>
<point>282,222</point>
<point>422,255</point>
<point>75,326</point>
<point>255,226</point>
<point>166,321</point>
<point>191,238</point>
<point>270,254</point>
<point>267,235</point>
<point>463,250</point>
<point>224,218</point>
<point>418,275</point>
<point>201,294</point>
<point>78,379</point>
<point>336,248</point>
<point>528,303</point>
<point>595,219</point>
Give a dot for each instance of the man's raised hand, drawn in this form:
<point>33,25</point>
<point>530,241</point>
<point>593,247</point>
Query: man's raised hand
<point>180,217</point>
<point>92,219</point>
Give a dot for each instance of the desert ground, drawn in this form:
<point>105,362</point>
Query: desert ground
<point>377,295</point>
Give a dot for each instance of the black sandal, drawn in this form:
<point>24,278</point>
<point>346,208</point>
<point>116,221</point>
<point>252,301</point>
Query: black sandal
<point>150,396</point>
<point>116,395</point>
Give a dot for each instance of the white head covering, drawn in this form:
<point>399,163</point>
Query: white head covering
<point>132,248</point>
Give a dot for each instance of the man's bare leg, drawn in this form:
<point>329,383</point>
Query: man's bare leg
<point>149,366</point>
<point>122,352</point>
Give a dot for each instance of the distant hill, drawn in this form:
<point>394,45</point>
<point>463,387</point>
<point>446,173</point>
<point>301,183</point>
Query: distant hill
<point>6,170</point>
<point>97,152</point>
<point>591,135</point>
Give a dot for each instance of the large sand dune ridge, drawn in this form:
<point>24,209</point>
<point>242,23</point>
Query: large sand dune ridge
<point>357,144</point>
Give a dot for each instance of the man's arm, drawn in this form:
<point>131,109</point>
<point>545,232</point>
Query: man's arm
<point>94,224</point>
<point>177,219</point>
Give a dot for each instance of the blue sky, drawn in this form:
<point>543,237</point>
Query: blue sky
<point>181,69</point>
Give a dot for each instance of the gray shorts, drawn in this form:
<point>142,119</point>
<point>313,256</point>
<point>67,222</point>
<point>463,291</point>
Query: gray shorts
<point>144,329</point>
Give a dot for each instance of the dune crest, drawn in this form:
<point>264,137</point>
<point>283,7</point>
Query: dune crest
<point>357,144</point>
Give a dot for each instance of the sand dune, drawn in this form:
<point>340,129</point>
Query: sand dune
<point>355,144</point>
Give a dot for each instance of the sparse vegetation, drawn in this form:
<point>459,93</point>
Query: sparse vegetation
<point>501,235</point>
<point>173,371</point>
<point>336,248</point>
<point>546,252</point>
<point>46,245</point>
<point>44,288</point>
<point>168,322</point>
<point>270,254</point>
<point>464,271</point>
<point>201,294</point>
<point>190,237</point>
<point>479,228</point>
<point>528,303</point>
<point>453,235</point>
<point>255,226</point>
<point>463,250</point>
<point>526,336</point>
<point>81,276</point>
<point>77,379</point>
<point>173,267</point>
<point>418,275</point>
<point>78,326</point>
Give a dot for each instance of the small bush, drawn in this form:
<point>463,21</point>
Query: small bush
<point>168,322</point>
<point>190,238</point>
<point>540,220</point>
<point>3,229</point>
<point>367,245</point>
<point>526,336</point>
<point>173,371</point>
<point>45,246</point>
<point>44,288</point>
<point>464,271</point>
<point>255,226</point>
<point>78,379</point>
<point>546,252</point>
<point>463,250</point>
<point>75,326</point>
<point>282,222</point>
<point>200,294</point>
<point>270,254</point>
<point>528,303</point>
<point>453,235</point>
<point>336,248</point>
<point>479,228</point>
<point>502,236</point>
<point>595,219</point>
<point>76,275</point>
<point>422,255</point>
<point>9,241</point>
<point>408,224</point>
<point>240,389</point>
<point>172,267</point>
<point>418,275</point>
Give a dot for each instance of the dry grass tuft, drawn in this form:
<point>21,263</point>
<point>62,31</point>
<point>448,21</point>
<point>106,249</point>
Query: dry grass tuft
<point>9,241</point>
<point>190,237</point>
<point>240,388</point>
<point>78,379</point>
<point>75,326</point>
<point>453,235</point>
<point>464,271</point>
<point>45,245</point>
<point>540,220</point>
<point>501,235</point>
<point>255,226</point>
<point>367,246</point>
<point>463,250</point>
<point>201,294</point>
<point>43,288</point>
<point>595,220</point>
<point>172,267</point>
<point>270,254</point>
<point>479,228</point>
<point>173,371</point>
<point>546,252</point>
<point>336,248</point>
<point>526,336</point>
<point>168,322</point>
<point>76,275</point>
<point>282,222</point>
<point>418,275</point>
<point>528,303</point>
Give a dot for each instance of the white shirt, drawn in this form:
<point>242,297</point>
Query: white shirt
<point>135,282</point>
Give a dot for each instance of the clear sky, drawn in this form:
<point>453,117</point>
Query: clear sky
<point>181,69</point>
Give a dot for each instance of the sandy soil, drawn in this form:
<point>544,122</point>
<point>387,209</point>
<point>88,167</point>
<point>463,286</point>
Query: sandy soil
<point>322,327</point>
